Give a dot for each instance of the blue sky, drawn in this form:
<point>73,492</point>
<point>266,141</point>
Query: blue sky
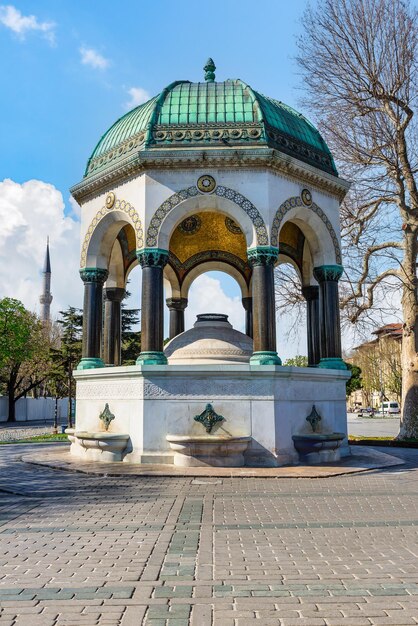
<point>55,108</point>
<point>71,68</point>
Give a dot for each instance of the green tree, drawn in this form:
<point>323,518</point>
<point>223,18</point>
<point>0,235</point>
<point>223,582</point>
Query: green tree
<point>24,352</point>
<point>355,382</point>
<point>297,361</point>
<point>131,347</point>
<point>66,356</point>
<point>131,339</point>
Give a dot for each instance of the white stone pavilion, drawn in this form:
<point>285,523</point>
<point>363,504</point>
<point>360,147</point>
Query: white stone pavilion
<point>204,176</point>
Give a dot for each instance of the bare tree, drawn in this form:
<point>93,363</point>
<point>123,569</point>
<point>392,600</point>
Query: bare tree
<point>288,297</point>
<point>359,63</point>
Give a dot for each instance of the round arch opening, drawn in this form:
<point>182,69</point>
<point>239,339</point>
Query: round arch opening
<point>215,291</point>
<point>290,310</point>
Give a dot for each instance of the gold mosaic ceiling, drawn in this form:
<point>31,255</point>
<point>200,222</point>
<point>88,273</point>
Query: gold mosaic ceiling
<point>207,231</point>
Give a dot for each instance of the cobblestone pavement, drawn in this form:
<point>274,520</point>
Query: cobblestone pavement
<point>93,550</point>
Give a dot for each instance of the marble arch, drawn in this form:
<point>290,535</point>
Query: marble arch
<point>116,276</point>
<point>161,225</point>
<point>284,259</point>
<point>103,229</point>
<point>213,266</point>
<point>327,231</point>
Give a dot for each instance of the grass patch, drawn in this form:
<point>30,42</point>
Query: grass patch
<point>389,442</point>
<point>365,438</point>
<point>38,439</point>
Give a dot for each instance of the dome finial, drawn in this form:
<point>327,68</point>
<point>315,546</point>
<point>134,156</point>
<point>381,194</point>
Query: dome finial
<point>210,68</point>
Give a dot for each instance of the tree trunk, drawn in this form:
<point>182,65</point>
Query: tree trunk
<point>70,396</point>
<point>11,417</point>
<point>409,356</point>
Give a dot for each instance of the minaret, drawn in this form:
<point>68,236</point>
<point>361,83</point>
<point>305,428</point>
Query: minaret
<point>46,298</point>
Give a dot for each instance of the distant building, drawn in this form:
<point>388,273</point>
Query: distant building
<point>46,297</point>
<point>381,372</point>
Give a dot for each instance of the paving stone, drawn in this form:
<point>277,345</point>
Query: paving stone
<point>399,620</point>
<point>124,549</point>
<point>348,621</point>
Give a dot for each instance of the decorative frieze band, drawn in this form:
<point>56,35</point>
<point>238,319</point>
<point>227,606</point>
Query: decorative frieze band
<point>93,275</point>
<point>206,133</point>
<point>152,257</point>
<point>262,255</point>
<point>328,272</point>
<point>221,191</point>
<point>208,255</point>
<point>175,389</point>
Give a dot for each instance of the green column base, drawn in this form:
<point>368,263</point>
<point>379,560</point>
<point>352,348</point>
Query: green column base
<point>265,358</point>
<point>88,363</point>
<point>334,363</point>
<point>152,358</point>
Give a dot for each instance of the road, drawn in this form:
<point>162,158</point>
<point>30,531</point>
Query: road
<point>372,426</point>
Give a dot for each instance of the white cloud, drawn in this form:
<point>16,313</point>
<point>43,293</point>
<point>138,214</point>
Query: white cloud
<point>29,212</point>
<point>75,208</point>
<point>138,96</point>
<point>207,296</point>
<point>20,24</point>
<point>94,59</point>
<point>291,336</point>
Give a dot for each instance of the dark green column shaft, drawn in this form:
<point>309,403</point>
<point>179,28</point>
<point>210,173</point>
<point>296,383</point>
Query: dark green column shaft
<point>329,314</point>
<point>176,306</point>
<point>93,279</point>
<point>311,295</point>
<point>152,261</point>
<point>247,303</point>
<point>264,316</point>
<point>112,340</point>
<point>262,260</point>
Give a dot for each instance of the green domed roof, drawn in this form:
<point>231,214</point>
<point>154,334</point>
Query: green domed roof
<point>209,115</point>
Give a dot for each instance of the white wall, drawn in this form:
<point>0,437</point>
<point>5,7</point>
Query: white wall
<point>30,409</point>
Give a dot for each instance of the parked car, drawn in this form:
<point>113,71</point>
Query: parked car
<point>390,407</point>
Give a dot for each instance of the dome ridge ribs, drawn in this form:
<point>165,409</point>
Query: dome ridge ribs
<point>157,110</point>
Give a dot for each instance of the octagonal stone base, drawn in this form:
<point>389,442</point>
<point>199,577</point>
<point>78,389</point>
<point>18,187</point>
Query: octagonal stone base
<point>266,404</point>
<point>208,450</point>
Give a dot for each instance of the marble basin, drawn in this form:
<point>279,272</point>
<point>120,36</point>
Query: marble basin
<point>316,448</point>
<point>208,450</point>
<point>99,446</point>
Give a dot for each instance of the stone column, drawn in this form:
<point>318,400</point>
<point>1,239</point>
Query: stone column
<point>152,261</point>
<point>176,307</point>
<point>311,295</point>
<point>112,325</point>
<point>247,303</point>
<point>262,260</point>
<point>93,278</point>
<point>329,316</point>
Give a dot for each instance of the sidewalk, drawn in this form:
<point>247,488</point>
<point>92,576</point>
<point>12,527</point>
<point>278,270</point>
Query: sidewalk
<point>81,549</point>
